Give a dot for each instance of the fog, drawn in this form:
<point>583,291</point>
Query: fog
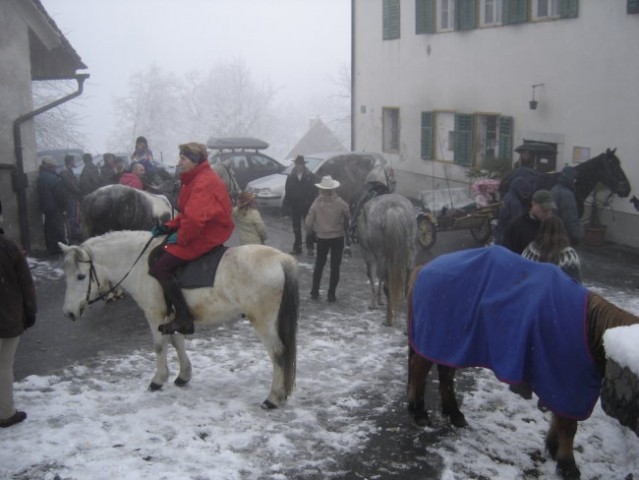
<point>297,46</point>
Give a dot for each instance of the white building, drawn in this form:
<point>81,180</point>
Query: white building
<point>442,86</point>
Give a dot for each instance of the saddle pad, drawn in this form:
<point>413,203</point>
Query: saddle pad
<point>200,272</point>
<point>526,321</point>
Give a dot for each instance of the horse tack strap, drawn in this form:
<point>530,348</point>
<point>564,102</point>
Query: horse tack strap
<point>93,274</point>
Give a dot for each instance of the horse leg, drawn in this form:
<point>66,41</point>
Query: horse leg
<point>447,395</point>
<point>559,443</point>
<point>371,282</point>
<point>390,309</point>
<point>160,345</point>
<point>185,373</point>
<point>418,368</point>
<point>267,331</point>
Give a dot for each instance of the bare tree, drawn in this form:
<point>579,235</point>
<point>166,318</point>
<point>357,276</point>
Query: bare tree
<point>152,110</point>
<point>59,127</point>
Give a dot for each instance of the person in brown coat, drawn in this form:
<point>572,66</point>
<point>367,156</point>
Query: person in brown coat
<point>17,313</point>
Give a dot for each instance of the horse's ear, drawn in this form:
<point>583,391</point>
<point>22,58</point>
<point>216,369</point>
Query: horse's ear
<point>613,150</point>
<point>63,247</point>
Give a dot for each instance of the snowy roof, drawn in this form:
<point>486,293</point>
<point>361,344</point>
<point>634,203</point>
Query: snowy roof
<point>318,138</point>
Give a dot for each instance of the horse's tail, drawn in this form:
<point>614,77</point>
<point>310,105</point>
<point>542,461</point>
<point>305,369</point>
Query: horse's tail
<point>399,247</point>
<point>287,322</point>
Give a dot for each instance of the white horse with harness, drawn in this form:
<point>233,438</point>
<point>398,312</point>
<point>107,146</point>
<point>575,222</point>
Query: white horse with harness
<point>256,281</point>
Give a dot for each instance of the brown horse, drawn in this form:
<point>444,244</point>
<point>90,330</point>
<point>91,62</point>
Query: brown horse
<point>599,316</point>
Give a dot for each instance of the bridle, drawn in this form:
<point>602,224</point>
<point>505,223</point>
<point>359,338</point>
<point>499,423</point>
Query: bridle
<point>608,159</point>
<point>93,275</point>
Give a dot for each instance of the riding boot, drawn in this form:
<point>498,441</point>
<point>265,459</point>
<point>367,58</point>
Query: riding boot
<point>183,319</point>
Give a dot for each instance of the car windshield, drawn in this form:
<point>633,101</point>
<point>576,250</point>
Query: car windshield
<point>312,164</point>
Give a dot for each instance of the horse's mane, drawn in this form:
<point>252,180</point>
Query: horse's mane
<point>603,315</point>
<point>117,239</point>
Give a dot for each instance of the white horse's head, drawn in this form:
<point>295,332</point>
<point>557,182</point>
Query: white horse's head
<point>83,280</point>
<point>383,174</point>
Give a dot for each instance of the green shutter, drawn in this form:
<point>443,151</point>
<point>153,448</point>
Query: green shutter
<point>506,138</point>
<point>514,11</point>
<point>427,136</point>
<point>391,19</point>
<point>465,14</point>
<point>463,153</point>
<point>424,16</point>
<point>568,8</point>
<point>633,6</point>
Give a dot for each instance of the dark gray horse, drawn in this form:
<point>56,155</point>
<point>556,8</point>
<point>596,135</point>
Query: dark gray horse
<point>119,207</point>
<point>387,230</point>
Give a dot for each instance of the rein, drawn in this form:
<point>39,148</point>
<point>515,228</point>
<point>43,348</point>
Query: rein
<point>93,275</point>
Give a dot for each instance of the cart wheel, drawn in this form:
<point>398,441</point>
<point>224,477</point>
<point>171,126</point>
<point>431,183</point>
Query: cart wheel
<point>426,232</point>
<point>482,233</point>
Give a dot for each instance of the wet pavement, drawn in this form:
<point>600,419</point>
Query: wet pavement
<point>397,450</point>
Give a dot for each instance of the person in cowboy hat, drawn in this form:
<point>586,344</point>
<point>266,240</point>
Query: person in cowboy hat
<point>328,219</point>
<point>298,197</point>
<point>247,218</point>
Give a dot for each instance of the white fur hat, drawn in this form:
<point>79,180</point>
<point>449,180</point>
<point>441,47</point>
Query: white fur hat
<point>327,183</point>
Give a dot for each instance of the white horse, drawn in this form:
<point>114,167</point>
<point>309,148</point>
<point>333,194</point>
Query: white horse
<point>387,234</point>
<point>257,281</point>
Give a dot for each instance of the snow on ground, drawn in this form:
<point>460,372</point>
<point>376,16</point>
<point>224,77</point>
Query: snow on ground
<point>98,421</point>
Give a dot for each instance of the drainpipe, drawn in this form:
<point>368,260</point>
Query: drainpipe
<point>19,179</point>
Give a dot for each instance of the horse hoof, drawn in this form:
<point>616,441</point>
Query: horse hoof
<point>180,382</point>
<point>458,420</point>
<point>568,470</point>
<point>154,387</point>
<point>421,419</point>
<point>268,405</point>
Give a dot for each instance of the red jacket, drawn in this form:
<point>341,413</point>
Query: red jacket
<point>204,221</point>
<point>131,180</point>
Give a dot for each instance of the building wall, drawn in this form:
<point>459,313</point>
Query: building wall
<point>16,100</point>
<point>588,66</point>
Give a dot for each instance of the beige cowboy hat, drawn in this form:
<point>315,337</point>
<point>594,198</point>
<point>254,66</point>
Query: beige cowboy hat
<point>327,183</point>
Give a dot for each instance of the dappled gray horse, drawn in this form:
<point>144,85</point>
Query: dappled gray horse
<point>387,230</point>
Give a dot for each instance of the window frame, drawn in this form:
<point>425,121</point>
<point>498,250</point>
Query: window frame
<point>450,26</point>
<point>553,10</point>
<point>497,13</point>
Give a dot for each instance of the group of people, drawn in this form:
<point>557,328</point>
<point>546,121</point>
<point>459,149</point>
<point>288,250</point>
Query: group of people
<point>60,194</point>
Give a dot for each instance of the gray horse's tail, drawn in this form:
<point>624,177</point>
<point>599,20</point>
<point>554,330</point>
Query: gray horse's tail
<point>287,322</point>
<point>398,249</point>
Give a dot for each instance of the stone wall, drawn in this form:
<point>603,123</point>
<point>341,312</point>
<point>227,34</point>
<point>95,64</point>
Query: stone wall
<point>620,395</point>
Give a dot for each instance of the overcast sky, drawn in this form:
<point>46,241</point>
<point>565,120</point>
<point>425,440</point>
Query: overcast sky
<point>295,44</point>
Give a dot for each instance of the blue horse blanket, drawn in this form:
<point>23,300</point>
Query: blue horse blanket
<point>526,321</point>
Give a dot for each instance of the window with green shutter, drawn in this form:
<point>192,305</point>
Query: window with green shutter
<point>390,16</point>
<point>465,14</point>
<point>633,6</point>
<point>424,16</point>
<point>506,138</point>
<point>427,136</point>
<point>463,154</point>
<point>514,11</point>
<point>569,8</point>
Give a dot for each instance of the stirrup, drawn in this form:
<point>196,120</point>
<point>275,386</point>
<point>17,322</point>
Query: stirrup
<point>172,327</point>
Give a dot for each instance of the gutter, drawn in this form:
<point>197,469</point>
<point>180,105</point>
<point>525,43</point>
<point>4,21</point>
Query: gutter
<point>19,180</point>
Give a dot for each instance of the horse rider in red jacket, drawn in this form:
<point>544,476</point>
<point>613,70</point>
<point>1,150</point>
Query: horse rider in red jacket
<point>204,222</point>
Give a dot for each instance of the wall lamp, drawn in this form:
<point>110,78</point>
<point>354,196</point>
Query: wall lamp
<point>533,103</point>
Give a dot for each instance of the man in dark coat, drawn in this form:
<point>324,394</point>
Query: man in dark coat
<point>523,230</point>
<point>514,204</point>
<point>90,179</point>
<point>73,196</point>
<point>17,313</point>
<point>52,201</point>
<point>299,193</point>
<point>563,193</point>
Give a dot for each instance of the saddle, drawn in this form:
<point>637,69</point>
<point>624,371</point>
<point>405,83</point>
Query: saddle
<point>198,273</point>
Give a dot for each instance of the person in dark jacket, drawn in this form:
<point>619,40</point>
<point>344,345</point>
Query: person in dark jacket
<point>514,204</point>
<point>17,313</point>
<point>563,194</point>
<point>90,179</point>
<point>204,223</point>
<point>299,194</point>
<point>73,197</point>
<point>523,230</point>
<point>52,200</point>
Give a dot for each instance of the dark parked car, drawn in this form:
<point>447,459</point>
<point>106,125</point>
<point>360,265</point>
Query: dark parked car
<point>247,160</point>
